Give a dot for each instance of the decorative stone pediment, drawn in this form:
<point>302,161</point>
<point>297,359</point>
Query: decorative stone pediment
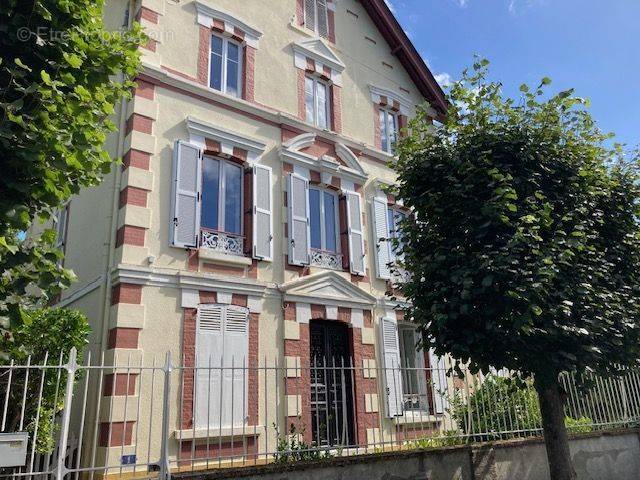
<point>350,169</point>
<point>317,50</point>
<point>327,288</point>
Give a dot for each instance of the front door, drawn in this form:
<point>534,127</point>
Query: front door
<point>331,384</point>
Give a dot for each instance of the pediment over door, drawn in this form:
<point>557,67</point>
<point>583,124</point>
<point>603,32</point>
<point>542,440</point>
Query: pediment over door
<point>327,288</point>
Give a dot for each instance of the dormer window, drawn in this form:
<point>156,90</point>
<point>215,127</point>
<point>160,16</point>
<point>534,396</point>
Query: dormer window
<point>225,66</point>
<point>316,17</point>
<point>317,103</point>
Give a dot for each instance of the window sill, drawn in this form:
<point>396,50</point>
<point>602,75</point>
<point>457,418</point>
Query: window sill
<point>221,257</point>
<point>214,432</point>
<point>417,416</point>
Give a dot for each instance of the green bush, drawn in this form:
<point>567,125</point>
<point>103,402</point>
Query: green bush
<point>504,408</point>
<point>49,330</point>
<point>498,405</point>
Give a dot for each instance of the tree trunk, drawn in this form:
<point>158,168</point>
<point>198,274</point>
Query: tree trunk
<point>552,400</point>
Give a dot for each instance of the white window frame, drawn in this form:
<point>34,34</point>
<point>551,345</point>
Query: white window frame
<point>225,51</point>
<point>315,27</point>
<point>384,118</point>
<point>316,107</point>
<point>323,232</point>
<point>222,191</point>
<point>419,361</point>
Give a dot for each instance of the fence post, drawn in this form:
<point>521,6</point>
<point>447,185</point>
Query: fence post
<point>71,367</point>
<point>165,472</point>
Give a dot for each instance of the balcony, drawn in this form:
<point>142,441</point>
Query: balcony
<point>324,259</point>
<point>222,242</point>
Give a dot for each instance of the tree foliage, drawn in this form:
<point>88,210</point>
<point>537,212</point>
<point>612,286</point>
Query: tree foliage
<point>526,250</point>
<point>61,73</point>
<point>45,337</point>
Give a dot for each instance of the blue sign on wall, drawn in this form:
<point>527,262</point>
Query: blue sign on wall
<point>129,459</point>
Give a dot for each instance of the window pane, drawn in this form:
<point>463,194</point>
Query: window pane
<point>330,222</point>
<point>216,63</point>
<point>407,339</point>
<point>233,65</point>
<point>314,218</point>
<point>310,101</point>
<point>322,105</point>
<point>391,225</point>
<point>210,193</point>
<point>383,130</point>
<point>392,131</point>
<point>233,198</point>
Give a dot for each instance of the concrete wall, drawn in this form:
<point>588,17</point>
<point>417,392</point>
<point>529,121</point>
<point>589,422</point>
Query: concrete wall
<point>601,456</point>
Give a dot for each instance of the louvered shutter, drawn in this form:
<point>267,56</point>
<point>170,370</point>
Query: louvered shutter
<point>185,218</point>
<point>356,237</point>
<point>299,249</point>
<point>235,379</point>
<point>310,14</point>
<point>392,366</point>
<point>381,235</point>
<point>209,351</point>
<point>323,26</point>
<point>262,216</point>
<point>439,379</point>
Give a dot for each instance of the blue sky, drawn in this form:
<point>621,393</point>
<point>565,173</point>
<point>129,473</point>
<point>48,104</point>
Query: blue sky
<point>590,45</point>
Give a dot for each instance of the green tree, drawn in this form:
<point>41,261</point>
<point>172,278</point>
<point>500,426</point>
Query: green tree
<point>524,252</point>
<point>61,73</point>
<point>45,336</point>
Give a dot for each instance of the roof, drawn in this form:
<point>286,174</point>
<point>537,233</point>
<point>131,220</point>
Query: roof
<point>403,48</point>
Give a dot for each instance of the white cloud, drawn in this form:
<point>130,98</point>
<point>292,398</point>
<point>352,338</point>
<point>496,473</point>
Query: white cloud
<point>515,7</point>
<point>443,79</point>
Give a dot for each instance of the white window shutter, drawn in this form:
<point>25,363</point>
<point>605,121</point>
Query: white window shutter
<point>262,213</point>
<point>323,26</point>
<point>381,236</point>
<point>209,345</point>
<point>185,219</point>
<point>356,236</point>
<point>298,198</point>
<point>310,14</point>
<point>392,366</point>
<point>439,380</point>
<point>235,363</point>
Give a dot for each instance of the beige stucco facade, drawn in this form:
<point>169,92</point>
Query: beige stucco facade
<point>142,293</point>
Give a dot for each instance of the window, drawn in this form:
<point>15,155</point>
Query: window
<point>317,102</point>
<point>414,388</point>
<point>394,222</point>
<point>60,222</point>
<point>222,346</point>
<point>316,17</point>
<point>388,130</point>
<point>225,66</point>
<point>323,219</point>
<point>221,209</point>
<point>208,204</point>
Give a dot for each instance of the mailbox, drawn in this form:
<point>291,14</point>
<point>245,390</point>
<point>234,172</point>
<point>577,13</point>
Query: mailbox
<point>13,449</point>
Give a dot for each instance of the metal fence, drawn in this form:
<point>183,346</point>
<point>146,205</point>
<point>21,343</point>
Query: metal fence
<point>150,419</point>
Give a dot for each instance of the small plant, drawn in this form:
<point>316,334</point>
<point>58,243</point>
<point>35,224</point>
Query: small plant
<point>292,447</point>
<point>580,425</point>
<point>449,438</point>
